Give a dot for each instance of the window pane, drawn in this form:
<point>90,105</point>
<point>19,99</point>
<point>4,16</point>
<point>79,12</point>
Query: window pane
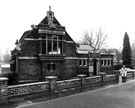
<point>59,37</point>
<point>84,63</point>
<point>60,47</point>
<point>80,62</point>
<point>48,67</point>
<point>52,45</point>
<point>111,62</point>
<point>55,37</point>
<point>104,62</point>
<point>108,62</point>
<point>101,62</point>
<point>55,50</point>
<point>49,47</point>
<point>44,47</point>
<point>49,37</point>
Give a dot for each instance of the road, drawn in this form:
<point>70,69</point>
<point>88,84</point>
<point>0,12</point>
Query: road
<point>114,96</point>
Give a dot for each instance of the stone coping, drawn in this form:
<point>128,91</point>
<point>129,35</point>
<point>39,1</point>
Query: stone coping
<point>28,84</point>
<point>81,75</point>
<point>110,75</point>
<point>93,77</point>
<point>77,79</point>
<point>51,77</point>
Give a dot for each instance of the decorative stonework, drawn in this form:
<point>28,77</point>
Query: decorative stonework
<point>17,90</point>
<point>93,80</point>
<point>68,84</point>
<point>27,88</point>
<point>3,89</point>
<point>51,32</point>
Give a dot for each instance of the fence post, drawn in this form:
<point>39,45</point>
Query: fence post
<point>102,74</point>
<point>52,82</point>
<point>117,72</point>
<point>83,79</point>
<point>3,89</point>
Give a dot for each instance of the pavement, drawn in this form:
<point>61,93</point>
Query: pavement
<point>120,95</point>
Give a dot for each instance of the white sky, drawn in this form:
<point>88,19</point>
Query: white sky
<point>115,17</point>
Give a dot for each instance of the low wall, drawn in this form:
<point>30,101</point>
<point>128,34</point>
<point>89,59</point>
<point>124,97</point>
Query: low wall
<point>93,80</point>
<point>27,88</point>
<point>68,84</point>
<point>110,78</point>
<point>22,89</point>
<point>129,75</point>
<point>49,86</point>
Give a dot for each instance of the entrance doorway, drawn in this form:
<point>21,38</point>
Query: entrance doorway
<point>95,66</point>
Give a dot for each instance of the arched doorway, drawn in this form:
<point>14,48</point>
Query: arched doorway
<point>95,66</point>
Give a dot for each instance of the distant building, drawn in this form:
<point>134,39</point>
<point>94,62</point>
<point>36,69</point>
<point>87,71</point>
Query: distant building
<point>48,49</point>
<point>5,69</point>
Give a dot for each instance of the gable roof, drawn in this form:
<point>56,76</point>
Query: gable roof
<point>44,24</point>
<point>45,21</point>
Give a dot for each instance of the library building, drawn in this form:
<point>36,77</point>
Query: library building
<point>48,50</point>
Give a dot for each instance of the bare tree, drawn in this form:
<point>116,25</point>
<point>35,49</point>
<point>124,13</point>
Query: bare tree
<point>95,39</point>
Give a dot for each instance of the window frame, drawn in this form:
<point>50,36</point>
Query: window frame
<point>48,42</point>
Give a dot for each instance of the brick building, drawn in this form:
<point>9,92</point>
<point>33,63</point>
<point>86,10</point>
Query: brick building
<point>48,49</point>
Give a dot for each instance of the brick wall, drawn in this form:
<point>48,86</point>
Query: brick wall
<point>70,50</point>
<point>70,69</point>
<point>58,69</point>
<point>29,48</point>
<point>83,70</point>
<point>29,69</point>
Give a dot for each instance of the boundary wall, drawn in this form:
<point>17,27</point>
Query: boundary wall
<point>54,85</point>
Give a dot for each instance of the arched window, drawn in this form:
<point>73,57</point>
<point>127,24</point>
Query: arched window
<point>104,63</point>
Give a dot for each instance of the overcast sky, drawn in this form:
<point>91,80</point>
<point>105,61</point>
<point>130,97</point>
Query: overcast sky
<point>115,17</point>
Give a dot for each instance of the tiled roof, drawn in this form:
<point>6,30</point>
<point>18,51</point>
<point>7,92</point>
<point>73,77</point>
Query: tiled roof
<point>84,49</point>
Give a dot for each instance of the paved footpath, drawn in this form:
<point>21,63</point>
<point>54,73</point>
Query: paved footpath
<point>115,96</point>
